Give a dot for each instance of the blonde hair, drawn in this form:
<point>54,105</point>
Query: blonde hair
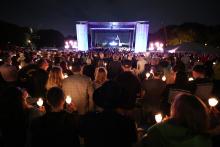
<point>100,75</point>
<point>55,78</point>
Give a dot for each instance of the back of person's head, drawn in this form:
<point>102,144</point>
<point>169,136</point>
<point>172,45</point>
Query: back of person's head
<point>55,97</point>
<point>199,69</point>
<point>43,64</point>
<point>180,66</point>
<point>108,96</point>
<point>181,77</point>
<point>126,63</point>
<point>100,74</point>
<point>76,66</point>
<point>55,77</point>
<point>63,65</point>
<point>190,112</point>
<point>131,87</point>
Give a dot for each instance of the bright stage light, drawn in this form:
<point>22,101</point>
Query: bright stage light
<point>157,46</point>
<point>141,37</point>
<point>113,43</point>
<point>82,36</point>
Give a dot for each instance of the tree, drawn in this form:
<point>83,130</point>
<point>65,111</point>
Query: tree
<point>49,38</point>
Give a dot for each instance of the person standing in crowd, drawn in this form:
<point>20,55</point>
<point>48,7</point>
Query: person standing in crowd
<point>56,128</point>
<point>181,84</point>
<point>141,64</point>
<point>8,73</point>
<point>114,68</point>
<point>100,77</point>
<point>112,126</point>
<point>187,125</point>
<point>14,118</point>
<point>55,78</point>
<point>153,89</point>
<point>65,69</point>
<point>80,88</point>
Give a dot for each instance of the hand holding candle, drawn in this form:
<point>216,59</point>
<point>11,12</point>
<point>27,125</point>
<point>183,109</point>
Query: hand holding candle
<point>190,79</point>
<point>158,117</point>
<point>65,75</point>
<point>164,78</point>
<point>68,99</point>
<point>147,75</point>
<point>40,102</point>
<point>213,102</point>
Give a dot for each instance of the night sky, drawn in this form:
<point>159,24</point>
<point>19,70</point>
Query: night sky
<point>62,14</point>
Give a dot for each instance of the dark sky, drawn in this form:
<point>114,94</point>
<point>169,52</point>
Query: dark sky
<point>62,14</point>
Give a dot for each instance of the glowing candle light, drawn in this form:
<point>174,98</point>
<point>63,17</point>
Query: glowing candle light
<point>158,117</point>
<point>213,102</point>
<point>214,63</point>
<point>19,67</point>
<point>147,75</point>
<point>40,102</point>
<point>190,79</point>
<point>68,99</point>
<point>105,64</point>
<point>164,78</point>
<point>70,67</point>
<point>65,75</point>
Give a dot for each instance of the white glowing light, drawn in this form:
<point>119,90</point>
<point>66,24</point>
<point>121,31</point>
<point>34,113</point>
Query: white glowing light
<point>65,75</point>
<point>158,117</point>
<point>70,67</point>
<point>68,99</point>
<point>141,38</point>
<point>105,64</point>
<point>19,66</point>
<point>214,63</point>
<point>164,78</point>
<point>213,102</point>
<point>113,43</point>
<point>147,75</point>
<point>40,102</point>
<point>82,36</point>
<point>1,60</point>
<point>67,46</point>
<point>190,79</point>
<point>157,44</point>
<point>152,71</point>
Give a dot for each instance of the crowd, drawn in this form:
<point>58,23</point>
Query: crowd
<point>108,98</point>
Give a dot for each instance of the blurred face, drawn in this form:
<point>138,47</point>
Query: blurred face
<point>45,65</point>
<point>195,74</point>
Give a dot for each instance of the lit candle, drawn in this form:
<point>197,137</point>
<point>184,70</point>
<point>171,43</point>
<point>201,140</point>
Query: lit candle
<point>214,63</point>
<point>213,102</point>
<point>190,79</point>
<point>151,71</point>
<point>164,78</point>
<point>65,75</point>
<point>105,64</point>
<point>19,67</point>
<point>68,99</point>
<point>158,117</point>
<point>40,102</point>
<point>147,75</point>
<point>70,67</point>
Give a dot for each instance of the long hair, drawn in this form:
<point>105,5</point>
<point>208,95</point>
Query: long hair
<point>100,75</point>
<point>55,78</point>
<point>189,111</point>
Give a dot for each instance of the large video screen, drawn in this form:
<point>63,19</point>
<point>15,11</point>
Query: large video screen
<point>112,38</point>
